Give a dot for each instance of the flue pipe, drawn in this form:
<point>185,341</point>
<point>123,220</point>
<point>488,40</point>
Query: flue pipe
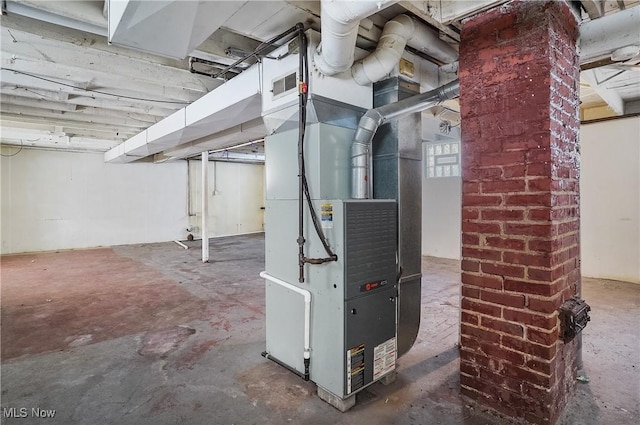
<point>374,118</point>
<point>396,35</point>
<point>340,20</point>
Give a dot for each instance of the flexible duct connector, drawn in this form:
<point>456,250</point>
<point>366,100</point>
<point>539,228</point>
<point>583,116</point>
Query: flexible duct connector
<point>340,20</point>
<point>396,35</point>
<point>374,118</point>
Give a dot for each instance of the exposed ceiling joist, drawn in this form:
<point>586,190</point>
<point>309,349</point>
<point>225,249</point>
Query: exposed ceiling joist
<point>29,124</point>
<point>75,100</point>
<point>594,8</point>
<point>78,116</point>
<point>613,100</point>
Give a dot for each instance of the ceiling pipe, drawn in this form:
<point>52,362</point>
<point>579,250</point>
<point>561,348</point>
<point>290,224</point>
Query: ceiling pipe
<point>374,118</point>
<point>396,35</point>
<point>340,21</point>
<point>600,37</point>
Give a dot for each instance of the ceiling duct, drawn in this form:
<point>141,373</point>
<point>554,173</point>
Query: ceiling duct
<point>167,28</point>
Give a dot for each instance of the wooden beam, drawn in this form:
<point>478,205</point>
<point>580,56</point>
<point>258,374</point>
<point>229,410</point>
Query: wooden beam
<point>80,100</point>
<point>594,8</point>
<point>32,46</point>
<point>73,116</point>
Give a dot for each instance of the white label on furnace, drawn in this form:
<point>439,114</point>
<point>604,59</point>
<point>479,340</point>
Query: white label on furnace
<point>326,216</point>
<point>384,358</point>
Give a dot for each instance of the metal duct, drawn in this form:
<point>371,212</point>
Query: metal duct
<point>396,35</point>
<point>340,20</point>
<point>374,118</point>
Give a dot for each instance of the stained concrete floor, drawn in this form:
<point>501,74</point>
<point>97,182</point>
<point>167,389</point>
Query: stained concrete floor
<point>147,334</point>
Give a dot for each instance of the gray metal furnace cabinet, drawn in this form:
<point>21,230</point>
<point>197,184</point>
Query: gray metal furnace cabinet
<point>353,301</point>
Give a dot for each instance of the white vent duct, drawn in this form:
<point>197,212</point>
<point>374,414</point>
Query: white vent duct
<point>396,35</point>
<point>169,28</point>
<point>340,21</point>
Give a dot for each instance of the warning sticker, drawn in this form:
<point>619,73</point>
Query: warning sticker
<point>355,368</point>
<point>326,213</point>
<point>384,358</point>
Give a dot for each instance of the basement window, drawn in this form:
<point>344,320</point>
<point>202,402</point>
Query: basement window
<point>442,159</point>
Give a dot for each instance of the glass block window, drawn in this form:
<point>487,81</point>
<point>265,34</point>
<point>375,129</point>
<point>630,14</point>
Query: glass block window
<point>442,159</point>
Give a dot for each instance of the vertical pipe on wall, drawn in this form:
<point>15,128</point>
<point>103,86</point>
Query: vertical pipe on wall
<point>205,205</point>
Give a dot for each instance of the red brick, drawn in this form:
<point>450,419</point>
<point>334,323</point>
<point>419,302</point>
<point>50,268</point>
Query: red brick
<point>528,229</point>
<point>470,266</point>
<point>541,366</point>
<point>503,215</point>
<point>506,299</point>
<point>541,259</point>
<point>480,334</point>
<point>480,307</point>
<point>502,158</point>
<point>470,239</point>
<point>481,200</point>
<point>483,254</point>
<point>472,355</point>
<point>470,292</point>
<point>468,369</point>
<point>539,170</point>
<point>527,287</point>
<point>506,243</point>
<point>470,214</point>
<point>470,188</point>
<point>529,376</point>
<point>528,200</point>
<point>531,319</point>
<point>468,343</point>
<point>471,227</point>
<point>539,185</point>
<point>511,171</point>
<point>481,174</point>
<point>503,186</point>
<point>527,347</point>
<point>540,245</point>
<point>540,337</point>
<point>502,326</point>
<point>498,352</point>
<point>539,214</point>
<point>539,274</point>
<point>469,318</point>
<point>502,269</point>
<point>545,305</point>
<point>493,282</point>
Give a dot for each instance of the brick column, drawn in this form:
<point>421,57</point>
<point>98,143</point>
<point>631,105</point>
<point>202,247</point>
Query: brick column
<point>519,79</point>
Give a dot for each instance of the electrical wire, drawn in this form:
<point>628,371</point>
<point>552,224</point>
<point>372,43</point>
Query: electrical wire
<point>94,91</point>
<point>304,78</point>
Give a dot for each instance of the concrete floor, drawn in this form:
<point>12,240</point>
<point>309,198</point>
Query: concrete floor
<point>147,334</point>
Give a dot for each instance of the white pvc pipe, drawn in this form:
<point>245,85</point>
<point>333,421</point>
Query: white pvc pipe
<point>340,20</point>
<point>307,308</point>
<point>396,35</point>
<point>205,206</point>
<point>181,244</point>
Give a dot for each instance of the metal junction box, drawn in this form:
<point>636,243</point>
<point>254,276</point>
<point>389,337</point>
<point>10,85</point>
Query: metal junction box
<point>353,300</point>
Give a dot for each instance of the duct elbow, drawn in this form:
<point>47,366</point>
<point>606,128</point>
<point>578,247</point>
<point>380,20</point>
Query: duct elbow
<point>392,43</point>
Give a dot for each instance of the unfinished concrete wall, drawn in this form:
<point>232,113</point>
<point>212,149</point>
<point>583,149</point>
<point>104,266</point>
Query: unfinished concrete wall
<point>610,199</point>
<point>519,96</point>
<point>62,200</point>
<point>236,196</point>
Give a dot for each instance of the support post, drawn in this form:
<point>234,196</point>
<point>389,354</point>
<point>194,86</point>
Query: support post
<point>519,99</point>
<point>205,206</point>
